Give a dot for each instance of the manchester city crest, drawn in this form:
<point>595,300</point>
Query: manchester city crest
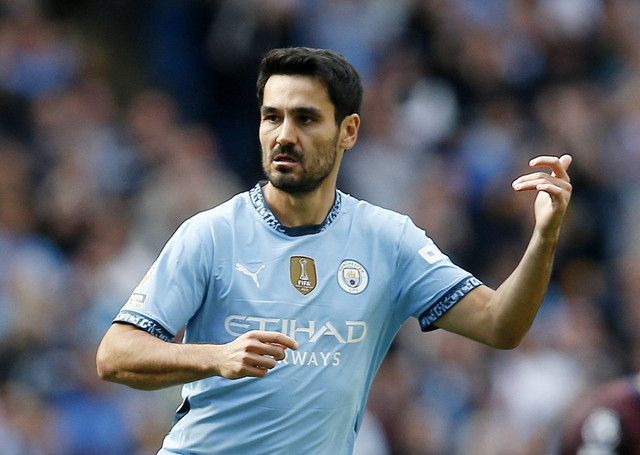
<point>352,277</point>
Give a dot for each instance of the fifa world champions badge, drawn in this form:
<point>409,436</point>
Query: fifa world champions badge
<point>302,271</point>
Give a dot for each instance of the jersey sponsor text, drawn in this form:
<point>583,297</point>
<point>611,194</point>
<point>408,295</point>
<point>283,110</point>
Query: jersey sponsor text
<point>344,332</point>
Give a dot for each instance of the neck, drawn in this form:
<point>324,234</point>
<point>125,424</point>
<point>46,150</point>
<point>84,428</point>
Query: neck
<point>294,210</point>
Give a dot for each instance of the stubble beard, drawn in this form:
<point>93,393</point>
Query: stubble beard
<point>315,170</point>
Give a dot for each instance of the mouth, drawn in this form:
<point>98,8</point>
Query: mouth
<point>284,159</point>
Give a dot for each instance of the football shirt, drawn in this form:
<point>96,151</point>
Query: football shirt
<point>342,289</point>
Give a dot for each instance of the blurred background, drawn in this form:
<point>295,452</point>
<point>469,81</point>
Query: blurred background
<point>120,119</point>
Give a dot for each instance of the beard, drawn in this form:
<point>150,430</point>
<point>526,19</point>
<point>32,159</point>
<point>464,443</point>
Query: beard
<point>315,168</point>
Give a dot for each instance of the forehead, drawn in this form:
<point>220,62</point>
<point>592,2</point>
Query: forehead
<point>294,91</point>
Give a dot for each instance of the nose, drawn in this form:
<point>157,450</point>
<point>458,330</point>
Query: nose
<point>287,133</point>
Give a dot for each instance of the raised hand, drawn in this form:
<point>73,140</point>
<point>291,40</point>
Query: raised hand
<point>554,191</point>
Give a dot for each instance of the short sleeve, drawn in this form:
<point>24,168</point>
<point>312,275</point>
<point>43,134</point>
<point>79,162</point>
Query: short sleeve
<point>174,287</point>
<point>429,282</point>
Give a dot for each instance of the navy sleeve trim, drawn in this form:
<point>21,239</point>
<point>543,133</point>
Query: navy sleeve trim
<point>455,294</point>
<point>144,323</point>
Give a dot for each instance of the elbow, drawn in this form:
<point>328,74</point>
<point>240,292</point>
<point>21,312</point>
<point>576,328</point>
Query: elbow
<point>506,340</point>
<point>110,369</point>
<point>507,345</point>
<point>105,367</point>
<point>507,334</point>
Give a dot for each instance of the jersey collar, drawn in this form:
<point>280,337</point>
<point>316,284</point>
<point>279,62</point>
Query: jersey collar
<point>257,199</point>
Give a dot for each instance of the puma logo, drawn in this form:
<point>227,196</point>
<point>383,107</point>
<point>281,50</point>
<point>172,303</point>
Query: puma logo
<point>254,275</point>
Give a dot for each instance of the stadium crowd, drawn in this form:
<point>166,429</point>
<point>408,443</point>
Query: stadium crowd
<point>119,120</point>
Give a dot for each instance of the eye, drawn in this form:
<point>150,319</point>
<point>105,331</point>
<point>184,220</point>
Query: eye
<point>305,120</point>
<point>271,118</point>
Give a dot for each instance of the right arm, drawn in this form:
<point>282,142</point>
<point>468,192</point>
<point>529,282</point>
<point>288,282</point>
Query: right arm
<point>131,356</point>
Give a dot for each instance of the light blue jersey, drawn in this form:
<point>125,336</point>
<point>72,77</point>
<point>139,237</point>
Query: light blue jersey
<point>341,289</point>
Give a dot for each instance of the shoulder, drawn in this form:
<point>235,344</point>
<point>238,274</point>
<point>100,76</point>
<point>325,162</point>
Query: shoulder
<point>374,216</point>
<point>226,212</point>
<point>205,226</point>
<point>394,229</point>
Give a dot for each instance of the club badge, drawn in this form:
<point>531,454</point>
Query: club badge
<point>352,277</point>
<point>302,271</point>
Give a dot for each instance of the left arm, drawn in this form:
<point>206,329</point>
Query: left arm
<point>501,318</point>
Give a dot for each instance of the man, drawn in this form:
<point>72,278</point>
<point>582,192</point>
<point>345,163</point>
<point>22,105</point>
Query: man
<point>606,421</point>
<point>293,291</point>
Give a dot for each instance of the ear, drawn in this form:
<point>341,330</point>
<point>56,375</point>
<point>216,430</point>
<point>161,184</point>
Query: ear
<point>349,131</point>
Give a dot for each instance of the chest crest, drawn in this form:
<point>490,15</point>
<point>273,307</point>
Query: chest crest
<point>302,271</point>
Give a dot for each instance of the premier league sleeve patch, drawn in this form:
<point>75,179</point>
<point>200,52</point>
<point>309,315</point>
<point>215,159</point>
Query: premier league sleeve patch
<point>352,277</point>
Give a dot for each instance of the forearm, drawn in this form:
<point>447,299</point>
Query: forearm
<point>129,356</point>
<point>135,358</point>
<point>514,305</point>
<point>501,318</point>
<point>516,302</point>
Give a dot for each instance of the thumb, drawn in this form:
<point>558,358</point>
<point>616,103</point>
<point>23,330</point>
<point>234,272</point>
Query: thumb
<point>566,160</point>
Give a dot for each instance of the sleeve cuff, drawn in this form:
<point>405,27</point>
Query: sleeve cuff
<point>145,323</point>
<point>444,303</point>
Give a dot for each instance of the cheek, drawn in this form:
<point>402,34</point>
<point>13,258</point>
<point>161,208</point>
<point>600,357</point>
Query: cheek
<point>262,137</point>
<point>266,135</point>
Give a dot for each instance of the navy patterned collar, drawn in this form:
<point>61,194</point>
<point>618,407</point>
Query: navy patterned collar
<point>257,199</point>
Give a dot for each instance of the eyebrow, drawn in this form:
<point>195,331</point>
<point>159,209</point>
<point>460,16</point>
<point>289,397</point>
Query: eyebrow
<point>302,110</point>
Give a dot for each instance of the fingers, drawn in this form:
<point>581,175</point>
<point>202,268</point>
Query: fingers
<point>557,165</point>
<point>256,352</point>
<point>275,338</point>
<point>269,343</point>
<point>554,183</point>
<point>540,181</point>
<point>553,192</point>
<point>566,161</point>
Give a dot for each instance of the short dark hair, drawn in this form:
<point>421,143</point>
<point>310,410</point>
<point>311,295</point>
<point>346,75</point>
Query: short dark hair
<point>332,69</point>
